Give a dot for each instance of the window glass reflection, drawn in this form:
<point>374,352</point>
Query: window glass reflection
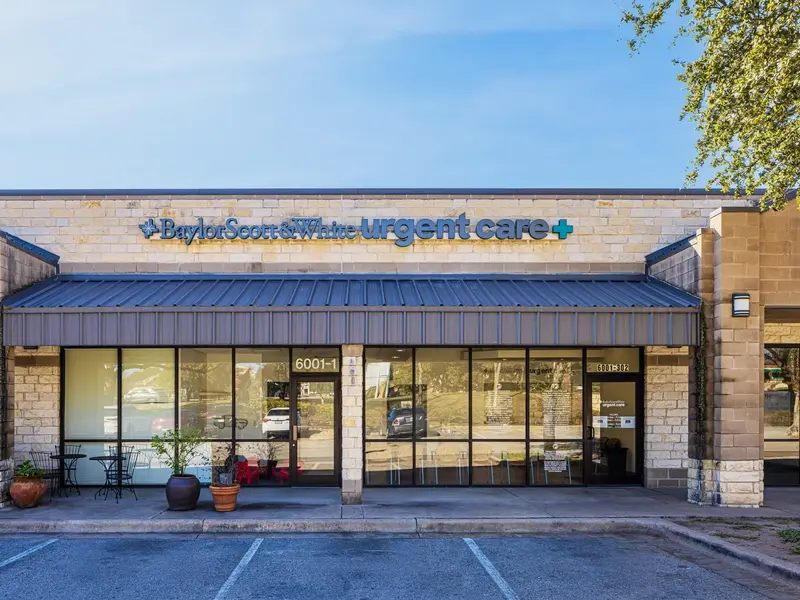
<point>442,398</point>
<point>498,463</point>
<point>442,463</point>
<point>387,393</point>
<point>148,392</point>
<point>498,394</point>
<point>556,463</point>
<point>205,391</point>
<point>90,394</point>
<point>781,410</point>
<point>556,394</point>
<point>262,394</point>
<point>388,463</point>
<point>262,463</point>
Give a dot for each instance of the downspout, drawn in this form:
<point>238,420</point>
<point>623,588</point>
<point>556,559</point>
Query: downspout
<point>700,374</point>
<point>3,391</point>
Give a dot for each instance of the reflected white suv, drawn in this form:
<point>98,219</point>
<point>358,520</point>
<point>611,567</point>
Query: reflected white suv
<point>276,423</point>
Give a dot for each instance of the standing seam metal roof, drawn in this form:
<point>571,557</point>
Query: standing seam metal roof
<point>347,290</point>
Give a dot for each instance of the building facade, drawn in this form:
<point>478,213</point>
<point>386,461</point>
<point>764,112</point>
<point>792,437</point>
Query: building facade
<point>408,337</point>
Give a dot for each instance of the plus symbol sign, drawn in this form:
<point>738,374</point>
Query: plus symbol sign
<point>563,229</point>
<point>149,228</point>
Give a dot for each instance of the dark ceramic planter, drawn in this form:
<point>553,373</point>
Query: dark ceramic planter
<point>182,492</point>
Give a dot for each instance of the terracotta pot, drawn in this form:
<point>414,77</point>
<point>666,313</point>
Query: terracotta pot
<point>225,496</point>
<point>182,492</point>
<point>27,492</point>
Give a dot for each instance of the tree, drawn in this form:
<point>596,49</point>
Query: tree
<point>743,91</point>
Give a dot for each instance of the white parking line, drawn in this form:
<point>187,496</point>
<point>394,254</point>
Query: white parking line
<point>237,572</point>
<point>27,552</point>
<point>493,573</point>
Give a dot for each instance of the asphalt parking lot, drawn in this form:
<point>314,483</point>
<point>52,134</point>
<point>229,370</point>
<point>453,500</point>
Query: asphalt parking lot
<point>370,567</point>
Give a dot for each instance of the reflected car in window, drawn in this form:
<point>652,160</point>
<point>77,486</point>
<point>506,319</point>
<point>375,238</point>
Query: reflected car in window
<point>401,421</point>
<point>276,423</point>
<point>146,395</point>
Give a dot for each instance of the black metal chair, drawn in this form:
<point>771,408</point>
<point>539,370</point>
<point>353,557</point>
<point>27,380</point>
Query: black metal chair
<point>128,468</point>
<point>43,461</point>
<point>70,466</point>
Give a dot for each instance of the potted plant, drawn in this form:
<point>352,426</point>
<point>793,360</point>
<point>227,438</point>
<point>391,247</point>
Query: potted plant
<point>224,490</point>
<point>28,486</point>
<point>176,448</point>
<point>272,458</point>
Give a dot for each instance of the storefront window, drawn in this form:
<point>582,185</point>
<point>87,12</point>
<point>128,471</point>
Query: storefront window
<point>387,393</point>
<point>388,463</point>
<point>498,394</point>
<point>90,394</point>
<point>556,394</point>
<point>205,381</point>
<point>262,463</point>
<point>556,463</point>
<point>262,394</point>
<point>442,463</point>
<point>781,415</point>
<point>498,463</point>
<point>150,469</point>
<point>441,404</point>
<point>148,392</point>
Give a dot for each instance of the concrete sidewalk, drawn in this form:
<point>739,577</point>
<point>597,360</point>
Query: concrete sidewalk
<point>408,503</point>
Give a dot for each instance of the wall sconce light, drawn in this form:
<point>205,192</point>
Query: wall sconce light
<point>741,304</point>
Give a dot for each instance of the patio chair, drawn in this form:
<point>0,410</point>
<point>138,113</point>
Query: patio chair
<point>394,469</point>
<point>505,458</point>
<point>71,466</point>
<point>42,460</point>
<point>462,463</point>
<point>434,460</point>
<point>128,468</point>
<point>245,473</point>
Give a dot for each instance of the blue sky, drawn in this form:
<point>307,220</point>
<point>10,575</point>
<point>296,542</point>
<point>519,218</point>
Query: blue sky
<point>415,93</point>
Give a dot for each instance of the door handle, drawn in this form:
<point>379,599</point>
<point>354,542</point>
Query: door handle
<point>294,433</point>
<point>591,432</point>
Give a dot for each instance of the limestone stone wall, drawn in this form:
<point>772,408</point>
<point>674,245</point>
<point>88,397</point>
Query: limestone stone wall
<point>666,418</point>
<point>610,232</point>
<point>36,401</point>
<point>352,423</point>
<point>19,268</point>
<point>782,333</point>
<point>779,267</point>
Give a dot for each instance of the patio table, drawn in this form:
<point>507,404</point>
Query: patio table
<point>68,464</point>
<point>112,464</point>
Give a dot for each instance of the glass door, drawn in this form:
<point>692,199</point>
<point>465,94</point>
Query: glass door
<point>613,450</point>
<point>314,434</point>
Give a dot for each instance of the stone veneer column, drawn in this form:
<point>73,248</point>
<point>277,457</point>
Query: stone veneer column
<point>666,418</point>
<point>352,423</point>
<point>701,409</point>
<point>738,468</point>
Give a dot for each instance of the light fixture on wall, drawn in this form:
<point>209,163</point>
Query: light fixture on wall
<point>741,304</point>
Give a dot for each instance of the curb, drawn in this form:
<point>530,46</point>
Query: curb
<point>409,525</point>
<point>758,559</point>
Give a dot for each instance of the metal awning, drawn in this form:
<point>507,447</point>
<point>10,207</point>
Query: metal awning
<point>390,309</point>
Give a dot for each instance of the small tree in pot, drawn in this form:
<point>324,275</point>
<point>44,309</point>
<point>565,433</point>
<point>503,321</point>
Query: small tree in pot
<point>176,449</point>
<point>223,488</point>
<point>28,487</point>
